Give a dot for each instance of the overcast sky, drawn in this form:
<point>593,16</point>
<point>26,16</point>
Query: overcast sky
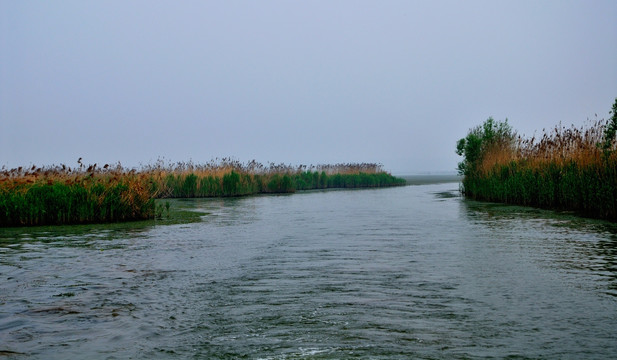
<point>298,82</point>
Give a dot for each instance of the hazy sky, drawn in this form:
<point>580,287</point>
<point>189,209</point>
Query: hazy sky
<point>300,82</point>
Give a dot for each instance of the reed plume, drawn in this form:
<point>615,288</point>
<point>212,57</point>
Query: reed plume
<point>570,168</point>
<point>86,194</point>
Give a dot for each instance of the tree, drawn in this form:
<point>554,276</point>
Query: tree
<point>478,140</point>
<point>611,130</point>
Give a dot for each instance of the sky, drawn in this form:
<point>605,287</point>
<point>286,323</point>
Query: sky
<point>294,82</point>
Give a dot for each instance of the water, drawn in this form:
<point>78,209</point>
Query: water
<point>398,273</point>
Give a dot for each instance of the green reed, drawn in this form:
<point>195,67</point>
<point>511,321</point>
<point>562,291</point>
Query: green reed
<point>86,201</point>
<point>237,183</point>
<point>61,195</point>
<point>569,169</point>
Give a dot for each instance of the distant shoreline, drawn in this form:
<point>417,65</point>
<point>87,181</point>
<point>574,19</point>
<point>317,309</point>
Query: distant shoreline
<point>431,179</point>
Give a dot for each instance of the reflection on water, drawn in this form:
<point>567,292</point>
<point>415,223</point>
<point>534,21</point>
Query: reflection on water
<point>75,235</point>
<point>183,211</point>
<point>409,272</point>
<point>561,239</point>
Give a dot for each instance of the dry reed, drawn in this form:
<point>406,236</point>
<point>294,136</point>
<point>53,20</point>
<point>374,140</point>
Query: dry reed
<point>566,168</point>
<point>85,194</point>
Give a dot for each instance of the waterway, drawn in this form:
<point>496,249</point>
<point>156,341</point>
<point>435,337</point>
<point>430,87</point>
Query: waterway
<point>396,273</point>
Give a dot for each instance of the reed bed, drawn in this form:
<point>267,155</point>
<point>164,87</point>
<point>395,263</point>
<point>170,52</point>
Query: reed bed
<point>89,194</point>
<point>567,168</point>
<point>228,177</point>
<point>61,195</point>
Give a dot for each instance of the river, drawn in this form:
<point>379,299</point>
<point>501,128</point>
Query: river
<point>396,273</point>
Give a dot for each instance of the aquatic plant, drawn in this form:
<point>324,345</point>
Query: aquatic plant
<point>567,168</point>
<point>61,195</point>
<point>228,177</point>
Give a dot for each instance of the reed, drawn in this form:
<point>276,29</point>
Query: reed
<point>89,194</point>
<point>61,195</point>
<point>567,168</point>
<point>232,178</point>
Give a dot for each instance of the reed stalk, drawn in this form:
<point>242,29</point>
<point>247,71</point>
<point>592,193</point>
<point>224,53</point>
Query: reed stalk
<point>64,195</point>
<point>567,168</point>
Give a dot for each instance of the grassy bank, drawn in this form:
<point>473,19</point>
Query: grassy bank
<point>64,195</point>
<point>60,195</point>
<point>567,168</point>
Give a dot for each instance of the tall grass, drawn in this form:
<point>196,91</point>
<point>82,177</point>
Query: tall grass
<point>232,178</point>
<point>567,168</point>
<point>64,195</point>
<point>61,195</point>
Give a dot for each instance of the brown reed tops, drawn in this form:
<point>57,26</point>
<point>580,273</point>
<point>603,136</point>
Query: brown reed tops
<point>559,146</point>
<point>217,168</point>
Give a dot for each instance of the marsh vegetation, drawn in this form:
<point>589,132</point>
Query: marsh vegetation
<point>567,168</point>
<point>87,194</point>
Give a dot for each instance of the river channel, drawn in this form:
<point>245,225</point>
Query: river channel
<point>397,273</point>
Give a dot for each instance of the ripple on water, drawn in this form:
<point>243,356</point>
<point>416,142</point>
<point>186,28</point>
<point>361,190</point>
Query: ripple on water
<point>411,272</point>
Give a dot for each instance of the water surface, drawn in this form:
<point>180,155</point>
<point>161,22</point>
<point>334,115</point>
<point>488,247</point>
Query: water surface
<point>397,273</point>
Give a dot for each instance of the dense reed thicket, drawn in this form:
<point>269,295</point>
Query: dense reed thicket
<point>232,178</point>
<point>61,195</point>
<point>567,168</point>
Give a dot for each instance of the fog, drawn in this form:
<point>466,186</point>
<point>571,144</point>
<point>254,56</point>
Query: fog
<point>394,82</point>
